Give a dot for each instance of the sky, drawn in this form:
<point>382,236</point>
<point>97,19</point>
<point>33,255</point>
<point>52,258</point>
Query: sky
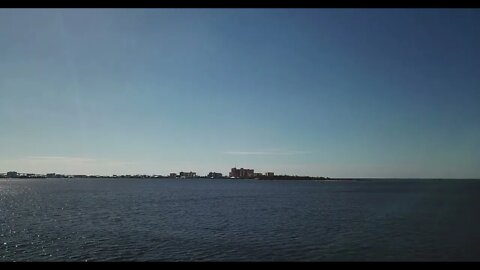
<point>319,92</point>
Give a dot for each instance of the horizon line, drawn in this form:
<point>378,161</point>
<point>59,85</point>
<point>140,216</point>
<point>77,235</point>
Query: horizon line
<point>294,175</point>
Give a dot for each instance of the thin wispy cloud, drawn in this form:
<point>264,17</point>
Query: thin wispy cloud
<point>274,153</point>
<point>71,165</point>
<point>76,160</point>
<point>60,159</point>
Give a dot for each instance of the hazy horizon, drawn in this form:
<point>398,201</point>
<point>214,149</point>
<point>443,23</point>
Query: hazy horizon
<point>368,93</point>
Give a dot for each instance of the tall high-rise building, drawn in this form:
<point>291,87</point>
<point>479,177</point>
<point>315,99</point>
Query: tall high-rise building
<point>241,173</point>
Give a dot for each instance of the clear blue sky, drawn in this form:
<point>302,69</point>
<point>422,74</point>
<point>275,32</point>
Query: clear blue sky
<point>339,93</point>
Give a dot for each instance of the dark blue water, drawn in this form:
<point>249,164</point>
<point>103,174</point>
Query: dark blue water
<point>238,220</point>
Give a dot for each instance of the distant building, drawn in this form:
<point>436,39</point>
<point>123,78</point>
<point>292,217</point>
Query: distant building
<point>234,173</point>
<point>12,174</point>
<point>55,175</point>
<point>269,174</point>
<point>258,174</point>
<point>214,175</point>
<point>173,175</point>
<point>188,174</point>
<point>241,173</point>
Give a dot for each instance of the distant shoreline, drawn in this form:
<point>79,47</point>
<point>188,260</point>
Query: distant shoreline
<point>326,179</point>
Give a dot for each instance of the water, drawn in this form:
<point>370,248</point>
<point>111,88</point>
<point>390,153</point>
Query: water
<point>238,220</point>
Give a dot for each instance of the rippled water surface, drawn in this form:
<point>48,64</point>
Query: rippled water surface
<point>238,220</point>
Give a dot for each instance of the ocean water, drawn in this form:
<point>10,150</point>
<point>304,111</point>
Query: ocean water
<point>239,220</point>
